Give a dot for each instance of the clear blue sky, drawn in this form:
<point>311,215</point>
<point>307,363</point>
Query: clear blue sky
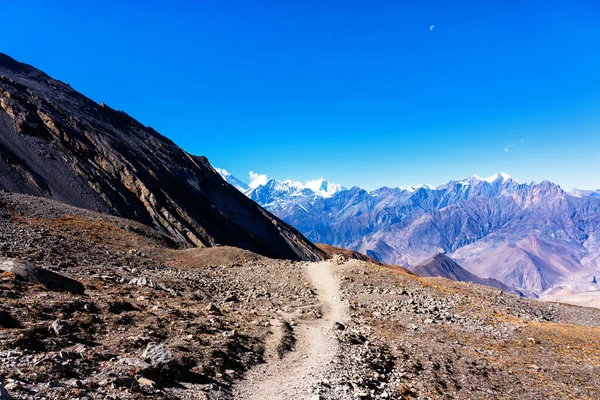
<point>361,92</point>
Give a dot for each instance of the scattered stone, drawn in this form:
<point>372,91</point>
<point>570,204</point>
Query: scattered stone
<point>143,281</point>
<point>76,383</point>
<point>229,334</point>
<point>232,299</point>
<point>146,382</point>
<point>135,362</point>
<point>339,326</point>
<point>69,355</point>
<point>60,327</point>
<point>54,384</point>
<point>13,386</point>
<point>338,259</point>
<point>212,309</point>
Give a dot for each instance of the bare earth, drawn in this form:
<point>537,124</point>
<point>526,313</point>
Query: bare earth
<point>230,324</point>
<point>296,374</point>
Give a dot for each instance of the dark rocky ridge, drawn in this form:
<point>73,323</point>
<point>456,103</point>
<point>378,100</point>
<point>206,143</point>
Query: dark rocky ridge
<point>56,143</point>
<point>443,266</point>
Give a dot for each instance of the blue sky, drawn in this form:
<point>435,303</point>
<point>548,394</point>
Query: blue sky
<point>363,93</point>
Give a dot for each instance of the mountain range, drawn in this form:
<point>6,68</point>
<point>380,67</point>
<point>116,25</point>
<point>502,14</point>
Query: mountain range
<point>530,236</point>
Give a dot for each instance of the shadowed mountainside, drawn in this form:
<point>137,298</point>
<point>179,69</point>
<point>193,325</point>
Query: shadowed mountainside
<point>56,143</point>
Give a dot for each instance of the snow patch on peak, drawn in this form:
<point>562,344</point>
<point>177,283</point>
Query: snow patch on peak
<point>501,175</point>
<point>223,172</point>
<point>584,193</point>
<point>287,186</point>
<point>232,180</point>
<point>323,187</point>
<point>416,187</point>
<point>320,187</point>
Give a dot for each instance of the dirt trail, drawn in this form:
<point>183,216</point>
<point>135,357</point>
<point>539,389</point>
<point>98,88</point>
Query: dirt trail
<point>294,376</point>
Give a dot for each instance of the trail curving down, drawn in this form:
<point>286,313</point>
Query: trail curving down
<point>295,375</point>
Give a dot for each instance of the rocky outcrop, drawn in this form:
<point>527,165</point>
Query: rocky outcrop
<point>56,143</point>
<point>33,274</point>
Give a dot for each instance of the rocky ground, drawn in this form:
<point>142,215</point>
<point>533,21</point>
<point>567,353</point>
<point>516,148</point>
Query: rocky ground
<point>159,320</point>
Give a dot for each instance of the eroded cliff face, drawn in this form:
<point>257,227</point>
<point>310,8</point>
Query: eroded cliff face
<point>56,143</point>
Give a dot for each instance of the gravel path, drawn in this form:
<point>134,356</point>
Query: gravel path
<point>296,374</point>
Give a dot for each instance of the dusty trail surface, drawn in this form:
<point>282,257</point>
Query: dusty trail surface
<point>295,375</point>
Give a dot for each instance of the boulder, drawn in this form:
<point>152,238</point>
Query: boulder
<point>166,368</point>
<point>31,273</point>
<point>60,327</point>
<point>158,355</point>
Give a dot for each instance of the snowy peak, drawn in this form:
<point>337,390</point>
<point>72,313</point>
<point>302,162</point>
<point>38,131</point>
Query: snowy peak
<point>500,180</point>
<point>269,191</point>
<point>584,193</point>
<point>319,187</point>
<point>264,189</point>
<point>323,187</point>
<point>232,180</point>
<point>417,187</point>
<point>499,177</point>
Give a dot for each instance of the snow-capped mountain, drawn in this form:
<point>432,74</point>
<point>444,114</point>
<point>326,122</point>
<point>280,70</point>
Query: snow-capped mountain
<point>232,180</point>
<point>532,236</point>
<point>291,197</point>
<point>271,192</point>
<point>415,188</point>
<point>323,188</point>
<point>585,193</point>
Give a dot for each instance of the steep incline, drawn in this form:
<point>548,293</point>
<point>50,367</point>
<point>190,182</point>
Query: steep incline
<point>56,143</point>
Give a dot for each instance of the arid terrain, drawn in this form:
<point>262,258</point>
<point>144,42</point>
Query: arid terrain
<point>158,319</point>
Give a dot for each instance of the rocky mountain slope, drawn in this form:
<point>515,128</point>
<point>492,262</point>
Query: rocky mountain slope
<point>157,320</point>
<point>56,143</point>
<point>443,266</point>
<point>532,236</point>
